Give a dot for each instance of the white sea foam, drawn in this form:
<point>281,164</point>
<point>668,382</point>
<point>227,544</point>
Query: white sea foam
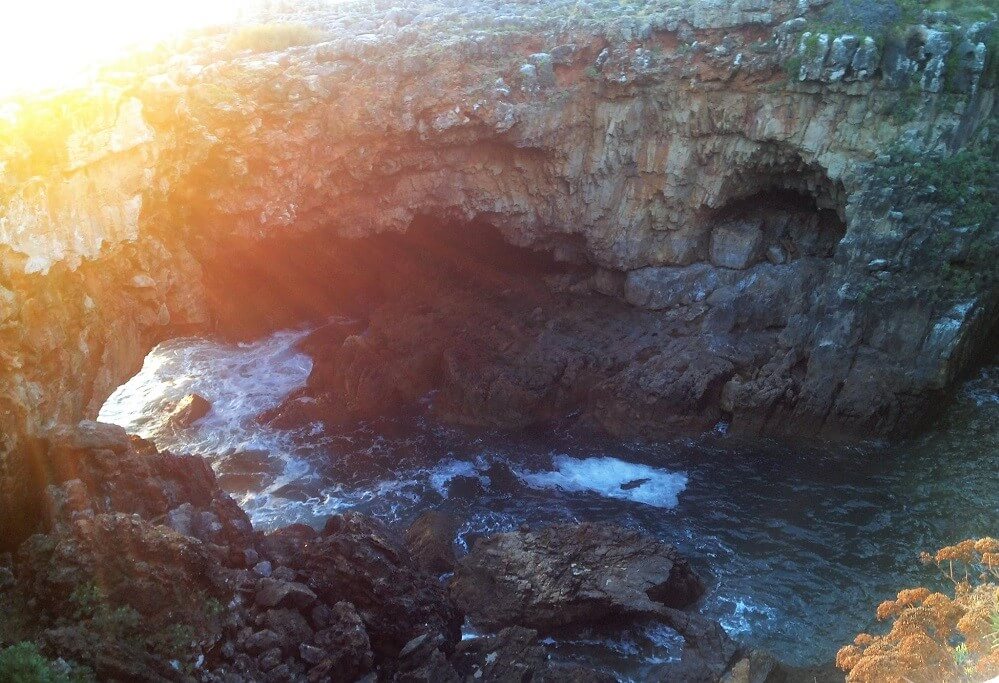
<point>241,381</point>
<point>741,614</point>
<point>613,478</point>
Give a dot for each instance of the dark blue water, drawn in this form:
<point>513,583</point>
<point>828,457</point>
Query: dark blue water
<point>799,543</point>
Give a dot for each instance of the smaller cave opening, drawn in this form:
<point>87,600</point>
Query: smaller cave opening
<point>784,224</point>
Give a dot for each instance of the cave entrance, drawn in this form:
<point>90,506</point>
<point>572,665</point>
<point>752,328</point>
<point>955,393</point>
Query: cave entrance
<point>295,280</point>
<point>790,224</point>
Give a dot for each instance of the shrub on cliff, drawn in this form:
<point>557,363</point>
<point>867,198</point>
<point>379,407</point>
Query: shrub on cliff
<point>23,663</point>
<point>936,637</point>
<point>274,37</point>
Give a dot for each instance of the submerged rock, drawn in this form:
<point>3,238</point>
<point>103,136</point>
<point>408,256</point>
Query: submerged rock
<point>571,575</point>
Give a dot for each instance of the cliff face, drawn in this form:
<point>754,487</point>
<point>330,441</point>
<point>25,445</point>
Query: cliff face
<point>802,274</point>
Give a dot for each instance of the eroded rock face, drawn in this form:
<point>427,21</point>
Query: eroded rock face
<point>571,575</point>
<point>619,141</point>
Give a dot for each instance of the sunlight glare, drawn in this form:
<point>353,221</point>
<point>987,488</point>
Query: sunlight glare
<point>49,43</point>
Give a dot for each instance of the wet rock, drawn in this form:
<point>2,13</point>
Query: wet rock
<point>430,541</point>
<point>708,650</point>
<point>570,575</point>
<point>189,410</point>
<point>514,654</point>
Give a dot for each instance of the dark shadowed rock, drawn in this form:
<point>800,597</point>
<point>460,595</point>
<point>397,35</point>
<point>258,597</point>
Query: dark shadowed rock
<point>345,644</point>
<point>430,541</point>
<point>189,410</point>
<point>514,654</point>
<point>127,585</point>
<point>357,559</point>
<point>571,574</point>
<point>275,593</point>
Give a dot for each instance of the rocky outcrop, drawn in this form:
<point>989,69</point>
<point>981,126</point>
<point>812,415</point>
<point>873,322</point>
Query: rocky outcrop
<point>111,582</point>
<point>624,138</point>
<point>430,540</point>
<point>514,654</point>
<point>571,575</point>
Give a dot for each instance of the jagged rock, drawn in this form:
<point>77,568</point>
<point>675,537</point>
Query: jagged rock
<point>356,558</point>
<point>121,572</point>
<point>189,410</point>
<point>422,660</point>
<point>569,575</point>
<point>346,644</point>
<point>430,541</point>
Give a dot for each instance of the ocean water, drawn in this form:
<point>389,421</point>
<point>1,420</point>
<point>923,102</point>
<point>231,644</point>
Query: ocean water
<point>797,543</point>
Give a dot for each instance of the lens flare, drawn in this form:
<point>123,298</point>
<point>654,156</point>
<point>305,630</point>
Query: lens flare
<point>52,43</point>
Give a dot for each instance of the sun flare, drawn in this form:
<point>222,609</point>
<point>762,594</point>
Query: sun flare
<point>49,43</point>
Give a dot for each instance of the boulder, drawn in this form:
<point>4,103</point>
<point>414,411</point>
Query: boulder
<point>736,244</point>
<point>189,410</point>
<point>430,541</point>
<point>570,575</point>
<point>345,644</point>
<point>88,435</point>
<point>277,593</point>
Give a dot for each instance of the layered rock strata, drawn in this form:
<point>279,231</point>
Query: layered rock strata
<point>813,281</point>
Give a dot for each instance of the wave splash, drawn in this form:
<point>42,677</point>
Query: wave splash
<point>613,478</point>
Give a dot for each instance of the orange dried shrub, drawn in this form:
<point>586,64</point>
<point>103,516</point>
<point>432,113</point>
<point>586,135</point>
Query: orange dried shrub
<point>935,638</point>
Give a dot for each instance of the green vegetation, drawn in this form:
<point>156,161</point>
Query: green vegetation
<point>965,181</point>
<point>275,36</point>
<point>23,663</point>
<point>962,10</point>
<point>906,106</point>
<point>841,20</point>
<point>966,184</point>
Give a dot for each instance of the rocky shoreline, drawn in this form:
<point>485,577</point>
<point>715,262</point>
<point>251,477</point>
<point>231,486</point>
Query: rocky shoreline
<point>774,217</point>
<point>140,567</point>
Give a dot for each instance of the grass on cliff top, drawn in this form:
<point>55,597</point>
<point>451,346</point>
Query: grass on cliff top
<point>884,20</point>
<point>274,36</point>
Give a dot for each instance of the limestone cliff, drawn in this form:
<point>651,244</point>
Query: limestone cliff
<point>728,165</point>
